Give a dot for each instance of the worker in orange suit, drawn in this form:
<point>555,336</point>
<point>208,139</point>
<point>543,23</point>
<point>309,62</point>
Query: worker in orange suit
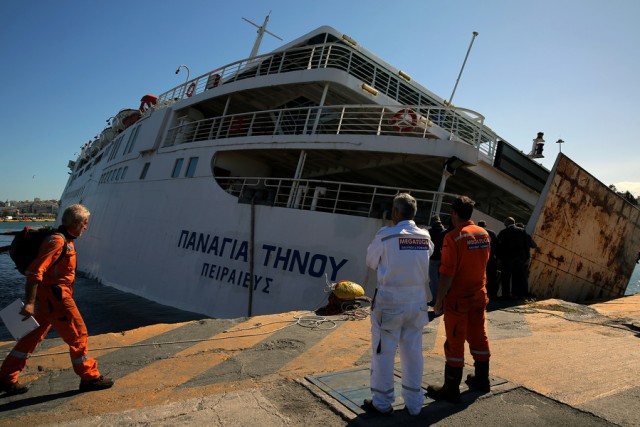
<point>462,297</point>
<point>49,299</point>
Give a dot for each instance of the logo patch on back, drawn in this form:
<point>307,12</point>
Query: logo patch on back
<point>413,244</point>
<point>482,243</point>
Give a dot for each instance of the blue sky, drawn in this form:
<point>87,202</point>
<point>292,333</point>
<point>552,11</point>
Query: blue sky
<point>568,68</point>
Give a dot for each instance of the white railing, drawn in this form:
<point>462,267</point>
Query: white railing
<point>334,197</point>
<point>329,55</point>
<point>413,121</point>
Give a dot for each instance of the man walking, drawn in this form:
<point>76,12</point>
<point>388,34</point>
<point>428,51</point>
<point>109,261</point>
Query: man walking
<point>462,297</point>
<point>49,298</point>
<point>400,254</point>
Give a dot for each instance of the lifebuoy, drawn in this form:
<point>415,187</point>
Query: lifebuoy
<point>191,89</point>
<point>213,81</point>
<point>404,120</point>
<point>236,125</point>
<point>147,102</point>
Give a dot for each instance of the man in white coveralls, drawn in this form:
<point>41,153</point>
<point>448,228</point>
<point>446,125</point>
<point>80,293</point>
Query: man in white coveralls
<point>400,254</point>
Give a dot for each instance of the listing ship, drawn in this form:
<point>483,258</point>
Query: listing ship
<point>251,188</point>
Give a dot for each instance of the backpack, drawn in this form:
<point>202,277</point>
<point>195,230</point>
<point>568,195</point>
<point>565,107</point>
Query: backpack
<point>26,244</point>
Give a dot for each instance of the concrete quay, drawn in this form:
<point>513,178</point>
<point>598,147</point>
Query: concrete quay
<point>553,364</point>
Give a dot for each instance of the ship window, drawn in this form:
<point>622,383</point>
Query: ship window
<point>131,141</point>
<point>191,167</point>
<point>116,145</point>
<point>124,172</point>
<point>176,168</point>
<point>145,169</point>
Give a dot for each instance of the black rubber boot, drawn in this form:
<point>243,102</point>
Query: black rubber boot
<point>450,390</point>
<point>480,380</point>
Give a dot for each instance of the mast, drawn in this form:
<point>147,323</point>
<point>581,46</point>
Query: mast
<point>475,34</point>
<point>261,30</point>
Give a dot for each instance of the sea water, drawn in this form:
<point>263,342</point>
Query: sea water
<point>105,309</point>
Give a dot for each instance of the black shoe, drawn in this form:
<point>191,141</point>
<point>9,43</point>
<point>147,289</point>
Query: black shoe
<point>479,380</point>
<point>450,390</point>
<point>97,384</point>
<point>483,385</point>
<point>13,388</point>
<point>443,393</point>
<point>367,405</point>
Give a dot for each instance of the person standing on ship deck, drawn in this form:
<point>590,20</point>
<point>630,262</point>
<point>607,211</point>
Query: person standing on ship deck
<point>462,297</point>
<point>400,254</point>
<point>49,299</point>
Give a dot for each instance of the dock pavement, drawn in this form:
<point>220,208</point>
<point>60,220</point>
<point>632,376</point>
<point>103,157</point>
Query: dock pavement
<point>553,363</point>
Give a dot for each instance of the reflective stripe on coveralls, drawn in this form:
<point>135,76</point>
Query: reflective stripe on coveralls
<point>19,354</point>
<point>80,360</point>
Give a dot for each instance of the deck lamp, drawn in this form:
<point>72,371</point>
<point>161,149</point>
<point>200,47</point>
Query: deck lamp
<point>188,71</point>
<point>452,164</point>
<point>448,169</point>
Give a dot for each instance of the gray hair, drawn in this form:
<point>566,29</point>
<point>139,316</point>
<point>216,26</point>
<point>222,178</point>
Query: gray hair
<point>75,213</point>
<point>406,205</point>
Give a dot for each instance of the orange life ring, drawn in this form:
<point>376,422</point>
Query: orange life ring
<point>404,120</point>
<point>147,101</point>
<point>191,89</point>
<point>213,81</point>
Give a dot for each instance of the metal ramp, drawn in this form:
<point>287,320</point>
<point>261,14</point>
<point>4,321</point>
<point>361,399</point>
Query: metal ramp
<point>350,387</point>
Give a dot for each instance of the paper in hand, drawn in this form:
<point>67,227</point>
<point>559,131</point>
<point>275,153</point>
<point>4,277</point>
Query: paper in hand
<point>14,322</point>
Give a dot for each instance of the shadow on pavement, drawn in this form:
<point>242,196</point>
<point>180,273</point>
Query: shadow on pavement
<point>35,400</point>
<point>432,413</point>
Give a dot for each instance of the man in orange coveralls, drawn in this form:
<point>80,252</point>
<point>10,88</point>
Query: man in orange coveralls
<point>462,296</point>
<point>49,298</point>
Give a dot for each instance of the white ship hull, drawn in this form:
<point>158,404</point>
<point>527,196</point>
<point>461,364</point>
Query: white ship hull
<point>198,257</point>
<point>248,189</point>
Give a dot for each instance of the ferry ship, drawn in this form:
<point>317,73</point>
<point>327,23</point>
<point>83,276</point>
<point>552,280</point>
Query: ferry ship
<point>249,189</point>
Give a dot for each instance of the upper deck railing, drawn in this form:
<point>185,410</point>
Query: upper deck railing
<point>413,121</point>
<point>328,55</point>
<point>373,201</point>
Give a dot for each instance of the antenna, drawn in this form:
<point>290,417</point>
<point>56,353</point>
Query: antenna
<point>261,30</point>
<point>475,34</point>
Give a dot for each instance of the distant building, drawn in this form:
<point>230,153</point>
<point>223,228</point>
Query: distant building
<point>33,209</point>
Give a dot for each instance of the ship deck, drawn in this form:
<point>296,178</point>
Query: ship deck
<point>553,363</point>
